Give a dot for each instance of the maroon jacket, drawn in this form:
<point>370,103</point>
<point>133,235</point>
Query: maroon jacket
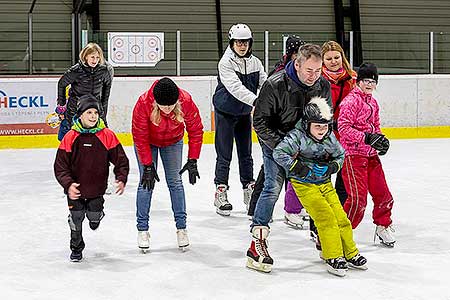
<point>84,158</point>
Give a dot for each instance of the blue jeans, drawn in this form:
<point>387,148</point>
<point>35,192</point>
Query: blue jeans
<point>171,157</point>
<point>273,184</point>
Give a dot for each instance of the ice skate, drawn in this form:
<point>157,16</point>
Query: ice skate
<point>223,207</point>
<point>304,215</point>
<point>248,191</point>
<point>386,235</point>
<point>143,241</point>
<point>76,256</point>
<point>357,262</point>
<point>183,239</point>
<point>337,266</point>
<point>258,257</point>
<point>294,220</point>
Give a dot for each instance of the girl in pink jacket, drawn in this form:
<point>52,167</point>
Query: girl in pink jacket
<point>362,172</point>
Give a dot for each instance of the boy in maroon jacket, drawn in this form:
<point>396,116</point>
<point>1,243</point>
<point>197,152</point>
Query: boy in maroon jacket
<point>81,167</point>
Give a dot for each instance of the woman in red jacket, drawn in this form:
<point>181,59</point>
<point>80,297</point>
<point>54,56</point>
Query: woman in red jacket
<point>159,118</point>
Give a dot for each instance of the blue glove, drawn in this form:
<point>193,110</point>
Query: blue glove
<point>320,170</point>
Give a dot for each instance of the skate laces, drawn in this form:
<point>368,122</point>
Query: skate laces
<point>338,263</point>
<point>261,247</point>
<point>221,193</point>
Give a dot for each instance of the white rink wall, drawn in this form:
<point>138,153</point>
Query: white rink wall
<point>405,100</point>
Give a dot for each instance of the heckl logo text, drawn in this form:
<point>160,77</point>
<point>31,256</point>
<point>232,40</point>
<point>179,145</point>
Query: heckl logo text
<point>21,101</point>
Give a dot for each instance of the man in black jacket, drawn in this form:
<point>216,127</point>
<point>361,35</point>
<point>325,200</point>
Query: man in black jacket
<point>278,108</point>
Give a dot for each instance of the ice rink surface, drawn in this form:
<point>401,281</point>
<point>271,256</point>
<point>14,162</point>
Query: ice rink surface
<point>34,238</point>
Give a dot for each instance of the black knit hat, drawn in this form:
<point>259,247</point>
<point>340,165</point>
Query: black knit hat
<point>85,102</point>
<point>293,43</point>
<point>166,92</point>
<point>367,70</point>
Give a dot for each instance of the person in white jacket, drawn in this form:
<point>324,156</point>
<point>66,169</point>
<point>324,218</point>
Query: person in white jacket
<point>241,74</point>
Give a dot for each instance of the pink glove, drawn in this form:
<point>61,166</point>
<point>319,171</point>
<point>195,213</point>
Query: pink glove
<point>60,110</point>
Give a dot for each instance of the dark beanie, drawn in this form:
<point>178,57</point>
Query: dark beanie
<point>85,102</point>
<point>165,92</point>
<point>367,70</point>
<point>293,43</point>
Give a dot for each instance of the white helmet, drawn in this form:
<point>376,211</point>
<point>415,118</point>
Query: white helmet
<point>240,32</point>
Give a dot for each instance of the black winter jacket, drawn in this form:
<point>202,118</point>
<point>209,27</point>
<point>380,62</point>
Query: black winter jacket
<point>86,80</point>
<point>280,105</point>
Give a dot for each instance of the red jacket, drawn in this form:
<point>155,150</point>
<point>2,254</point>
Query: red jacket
<point>169,131</point>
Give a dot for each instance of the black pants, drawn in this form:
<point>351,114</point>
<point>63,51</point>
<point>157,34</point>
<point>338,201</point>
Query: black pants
<point>259,185</point>
<point>92,209</point>
<point>229,129</point>
<point>341,192</point>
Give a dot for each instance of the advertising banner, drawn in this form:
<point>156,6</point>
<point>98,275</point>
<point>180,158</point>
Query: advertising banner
<point>26,106</point>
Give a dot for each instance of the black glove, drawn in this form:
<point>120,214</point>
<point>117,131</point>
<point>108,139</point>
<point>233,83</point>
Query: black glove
<point>191,167</point>
<point>333,167</point>
<point>377,141</point>
<point>148,177</point>
<point>299,169</point>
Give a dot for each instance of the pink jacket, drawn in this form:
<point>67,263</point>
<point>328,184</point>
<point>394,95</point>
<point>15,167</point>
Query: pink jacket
<point>359,113</point>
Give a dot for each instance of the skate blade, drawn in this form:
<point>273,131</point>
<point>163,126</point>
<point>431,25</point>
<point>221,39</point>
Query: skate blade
<point>76,260</point>
<point>221,212</point>
<point>363,267</point>
<point>340,272</point>
<point>144,250</point>
<point>293,225</point>
<point>388,245</point>
<point>184,248</point>
<point>251,264</point>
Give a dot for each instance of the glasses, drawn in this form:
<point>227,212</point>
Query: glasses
<point>369,81</point>
<point>242,42</point>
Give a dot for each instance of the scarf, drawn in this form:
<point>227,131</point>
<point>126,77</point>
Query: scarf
<point>335,76</point>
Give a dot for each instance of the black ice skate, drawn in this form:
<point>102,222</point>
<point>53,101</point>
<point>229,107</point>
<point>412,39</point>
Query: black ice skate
<point>357,262</point>
<point>337,266</point>
<point>76,256</point>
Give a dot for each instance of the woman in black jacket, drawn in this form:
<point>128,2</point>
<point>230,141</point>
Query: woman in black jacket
<point>91,75</point>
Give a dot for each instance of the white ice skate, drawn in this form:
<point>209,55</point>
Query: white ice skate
<point>143,240</point>
<point>304,214</point>
<point>183,239</point>
<point>248,191</point>
<point>223,207</point>
<point>386,235</point>
<point>294,220</point>
<point>258,257</point>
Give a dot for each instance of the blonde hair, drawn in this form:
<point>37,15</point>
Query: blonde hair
<point>155,116</point>
<point>89,49</point>
<point>334,46</point>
